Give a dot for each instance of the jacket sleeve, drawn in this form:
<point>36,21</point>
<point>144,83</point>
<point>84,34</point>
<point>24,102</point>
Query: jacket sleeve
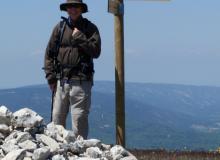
<point>48,60</point>
<point>90,45</point>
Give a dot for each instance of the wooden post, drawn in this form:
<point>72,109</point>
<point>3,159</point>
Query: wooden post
<point>119,77</point>
<point>116,7</point>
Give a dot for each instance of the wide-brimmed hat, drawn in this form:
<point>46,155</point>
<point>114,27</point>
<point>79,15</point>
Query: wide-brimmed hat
<point>63,6</point>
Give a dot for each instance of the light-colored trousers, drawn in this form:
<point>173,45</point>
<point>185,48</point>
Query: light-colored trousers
<point>76,97</point>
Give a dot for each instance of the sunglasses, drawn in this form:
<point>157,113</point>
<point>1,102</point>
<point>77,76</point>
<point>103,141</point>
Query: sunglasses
<point>73,6</point>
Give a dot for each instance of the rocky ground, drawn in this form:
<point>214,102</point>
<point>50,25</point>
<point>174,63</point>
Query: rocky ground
<point>23,135</point>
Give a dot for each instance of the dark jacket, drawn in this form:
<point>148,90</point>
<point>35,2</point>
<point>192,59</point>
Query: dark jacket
<point>84,46</point>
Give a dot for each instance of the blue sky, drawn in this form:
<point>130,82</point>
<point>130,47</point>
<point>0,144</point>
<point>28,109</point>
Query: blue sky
<point>174,42</point>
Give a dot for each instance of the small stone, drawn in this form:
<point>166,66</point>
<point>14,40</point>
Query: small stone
<point>119,150</point>
<point>19,136</point>
<point>4,129</point>
<point>105,147</point>
<point>26,118</point>
<point>5,115</point>
<point>68,136</point>
<point>58,157</point>
<point>28,154</point>
<point>23,136</point>
<point>91,143</point>
<point>27,158</point>
<point>80,146</point>
<point>2,136</point>
<point>64,148</point>
<point>59,133</point>
<point>79,138</point>
<point>74,157</point>
<point>54,132</point>
<point>11,128</point>
<point>76,147</point>
<point>60,129</point>
<point>107,154</point>
<point>15,155</point>
<point>118,157</point>
<point>42,145</point>
<point>94,152</point>
<point>37,137</point>
<point>2,155</point>
<point>28,145</point>
<point>41,153</point>
<point>13,135</point>
<point>51,143</point>
<point>10,146</point>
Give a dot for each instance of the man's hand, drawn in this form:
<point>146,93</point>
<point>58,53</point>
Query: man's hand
<point>53,86</point>
<point>75,31</point>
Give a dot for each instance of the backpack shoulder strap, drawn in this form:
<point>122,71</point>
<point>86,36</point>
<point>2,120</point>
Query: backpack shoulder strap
<point>60,34</point>
<point>62,28</point>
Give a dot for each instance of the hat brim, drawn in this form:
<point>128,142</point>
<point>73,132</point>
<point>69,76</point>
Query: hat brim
<point>63,7</point>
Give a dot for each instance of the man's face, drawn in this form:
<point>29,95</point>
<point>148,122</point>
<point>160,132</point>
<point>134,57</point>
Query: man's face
<point>74,11</point>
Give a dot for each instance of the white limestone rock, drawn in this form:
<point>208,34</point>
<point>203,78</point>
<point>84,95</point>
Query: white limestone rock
<point>41,153</point>
<point>118,157</point>
<point>2,136</point>
<point>68,136</point>
<point>73,157</point>
<point>76,147</point>
<point>27,158</point>
<point>51,143</point>
<point>28,145</point>
<point>5,115</point>
<point>54,132</point>
<point>2,155</point>
<point>15,155</point>
<point>10,146</point>
<point>105,147</point>
<point>94,152</point>
<point>23,136</point>
<point>28,154</point>
<point>107,154</point>
<point>58,157</point>
<point>4,129</point>
<point>29,139</point>
<point>26,118</point>
<point>118,151</point>
<point>19,136</point>
<point>59,133</point>
<point>13,135</point>
<point>91,143</point>
<point>79,138</point>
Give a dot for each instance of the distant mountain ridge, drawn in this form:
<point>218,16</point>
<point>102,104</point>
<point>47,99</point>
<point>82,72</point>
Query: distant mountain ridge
<point>157,115</point>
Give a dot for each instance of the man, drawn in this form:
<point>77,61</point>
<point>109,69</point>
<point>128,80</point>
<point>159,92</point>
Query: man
<point>73,45</point>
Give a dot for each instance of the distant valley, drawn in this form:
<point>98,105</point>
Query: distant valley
<point>157,115</point>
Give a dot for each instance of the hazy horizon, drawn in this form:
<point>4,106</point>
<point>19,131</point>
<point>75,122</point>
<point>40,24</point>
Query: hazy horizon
<point>127,82</point>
